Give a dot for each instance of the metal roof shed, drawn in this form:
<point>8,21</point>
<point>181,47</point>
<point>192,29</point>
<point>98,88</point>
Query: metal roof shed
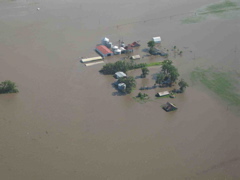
<point>104,51</point>
<point>120,74</point>
<point>157,39</point>
<point>136,57</point>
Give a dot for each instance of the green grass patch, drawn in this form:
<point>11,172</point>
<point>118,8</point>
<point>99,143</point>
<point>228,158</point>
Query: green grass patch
<point>154,64</point>
<point>221,83</point>
<point>193,19</point>
<point>222,5</point>
<point>220,9</point>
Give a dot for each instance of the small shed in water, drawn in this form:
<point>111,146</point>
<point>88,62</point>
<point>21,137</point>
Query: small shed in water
<point>164,93</point>
<point>157,39</point>
<point>120,74</point>
<point>92,59</point>
<point>136,57</point>
<point>135,44</point>
<point>129,48</point>
<point>169,107</point>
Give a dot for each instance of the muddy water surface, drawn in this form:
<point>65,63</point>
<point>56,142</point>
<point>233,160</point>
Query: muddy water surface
<point>68,122</point>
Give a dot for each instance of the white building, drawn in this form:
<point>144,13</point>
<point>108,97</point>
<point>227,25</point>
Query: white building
<point>121,86</point>
<point>120,74</point>
<point>157,39</point>
<point>105,41</point>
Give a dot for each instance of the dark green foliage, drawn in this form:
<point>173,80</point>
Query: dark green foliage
<point>142,96</point>
<point>8,87</point>
<point>145,71</point>
<point>130,83</point>
<point>170,71</point>
<point>160,78</point>
<point>112,68</point>
<point>151,44</point>
<point>182,84</point>
<point>166,66</point>
<point>174,74</point>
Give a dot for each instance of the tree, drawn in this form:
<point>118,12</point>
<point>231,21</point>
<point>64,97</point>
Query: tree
<point>8,87</point>
<point>151,44</point>
<point>130,83</point>
<point>160,78</point>
<point>166,66</point>
<point>145,71</point>
<point>170,71</point>
<point>173,74</point>
<point>182,84</point>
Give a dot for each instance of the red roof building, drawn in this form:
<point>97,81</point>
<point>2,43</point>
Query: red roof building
<point>135,44</point>
<point>104,51</point>
<point>129,48</point>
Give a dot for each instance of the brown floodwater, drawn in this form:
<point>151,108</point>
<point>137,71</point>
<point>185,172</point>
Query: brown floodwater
<point>68,122</point>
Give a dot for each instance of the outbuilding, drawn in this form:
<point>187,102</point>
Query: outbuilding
<point>105,41</point>
<point>164,93</point>
<point>129,49</point>
<point>136,57</point>
<point>104,51</point>
<point>157,39</point>
<point>135,44</point>
<point>120,74</point>
<point>121,86</point>
<point>169,107</point>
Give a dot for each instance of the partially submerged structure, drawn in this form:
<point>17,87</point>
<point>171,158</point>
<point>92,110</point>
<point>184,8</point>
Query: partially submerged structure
<point>136,57</point>
<point>135,44</point>
<point>106,42</point>
<point>104,51</point>
<point>155,51</point>
<point>169,107</point>
<point>129,48</point>
<point>85,60</point>
<point>164,93</point>
<point>120,74</point>
<point>121,86</point>
<point>157,39</point>
<point>94,63</point>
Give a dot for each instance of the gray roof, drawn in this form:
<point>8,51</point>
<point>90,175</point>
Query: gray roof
<point>120,74</point>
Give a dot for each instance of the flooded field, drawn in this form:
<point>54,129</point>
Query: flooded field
<point>68,122</point>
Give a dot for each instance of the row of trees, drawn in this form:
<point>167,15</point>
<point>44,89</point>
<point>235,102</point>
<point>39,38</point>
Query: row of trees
<point>112,68</point>
<point>8,87</point>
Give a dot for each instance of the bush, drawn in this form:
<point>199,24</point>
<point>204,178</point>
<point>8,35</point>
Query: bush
<point>8,87</point>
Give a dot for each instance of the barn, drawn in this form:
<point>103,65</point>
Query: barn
<point>104,51</point>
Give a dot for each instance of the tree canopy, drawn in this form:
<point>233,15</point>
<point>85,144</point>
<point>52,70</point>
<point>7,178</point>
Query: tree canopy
<point>145,71</point>
<point>8,87</point>
<point>151,44</point>
<point>111,68</point>
<point>170,71</point>
<point>182,84</point>
<point>130,83</point>
<point>160,78</point>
